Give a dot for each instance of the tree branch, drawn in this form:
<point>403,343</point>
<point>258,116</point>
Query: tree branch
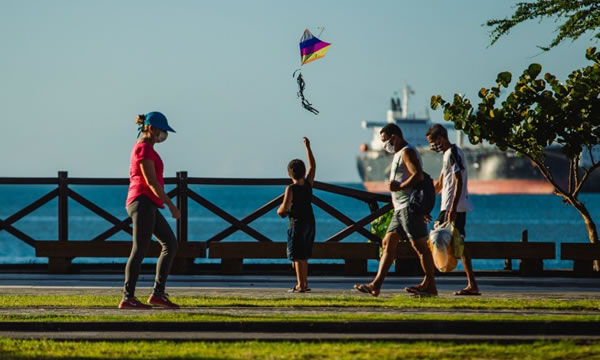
<point>586,174</point>
<point>542,168</point>
<point>571,177</point>
<point>579,16</point>
<point>589,148</point>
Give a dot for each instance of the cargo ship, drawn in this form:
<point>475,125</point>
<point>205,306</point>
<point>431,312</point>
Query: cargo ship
<point>490,170</point>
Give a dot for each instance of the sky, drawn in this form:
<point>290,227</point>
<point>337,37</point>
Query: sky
<point>74,75</point>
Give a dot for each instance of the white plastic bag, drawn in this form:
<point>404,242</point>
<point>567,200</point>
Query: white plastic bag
<point>439,239</point>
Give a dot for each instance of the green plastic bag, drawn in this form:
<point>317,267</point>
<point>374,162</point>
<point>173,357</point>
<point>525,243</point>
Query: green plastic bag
<point>457,243</point>
<point>379,226</point>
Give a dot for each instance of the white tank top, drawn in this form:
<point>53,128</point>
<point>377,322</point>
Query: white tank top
<point>399,172</point>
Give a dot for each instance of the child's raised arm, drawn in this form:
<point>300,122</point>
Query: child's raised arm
<point>287,202</point>
<point>312,165</point>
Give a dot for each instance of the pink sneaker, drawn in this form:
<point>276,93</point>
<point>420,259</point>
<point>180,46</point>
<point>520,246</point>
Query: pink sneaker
<point>163,301</point>
<point>133,303</point>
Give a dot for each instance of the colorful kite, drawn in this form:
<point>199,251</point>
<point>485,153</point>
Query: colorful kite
<point>311,49</point>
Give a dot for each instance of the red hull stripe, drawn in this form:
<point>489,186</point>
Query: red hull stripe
<point>486,187</point>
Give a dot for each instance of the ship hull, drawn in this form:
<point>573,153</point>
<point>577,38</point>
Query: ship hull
<point>490,171</point>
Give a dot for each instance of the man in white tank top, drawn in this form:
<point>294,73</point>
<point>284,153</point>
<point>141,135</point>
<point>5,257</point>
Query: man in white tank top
<point>455,195</point>
<point>406,172</point>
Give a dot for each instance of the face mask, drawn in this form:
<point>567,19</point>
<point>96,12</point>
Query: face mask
<point>436,147</point>
<point>162,136</point>
<point>389,147</point>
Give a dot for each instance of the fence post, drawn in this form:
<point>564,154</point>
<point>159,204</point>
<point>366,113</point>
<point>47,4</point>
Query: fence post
<point>182,205</point>
<point>59,264</point>
<point>530,266</point>
<point>182,265</point>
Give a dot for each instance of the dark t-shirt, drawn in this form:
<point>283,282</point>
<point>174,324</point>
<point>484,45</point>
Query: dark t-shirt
<point>301,209</point>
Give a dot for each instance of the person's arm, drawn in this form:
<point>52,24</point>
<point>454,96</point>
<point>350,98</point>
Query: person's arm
<point>287,202</point>
<point>409,157</point>
<point>457,192</point>
<point>312,165</point>
<point>439,184</point>
<point>147,167</point>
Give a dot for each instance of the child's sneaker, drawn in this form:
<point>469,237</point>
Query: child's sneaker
<point>133,303</point>
<point>162,300</point>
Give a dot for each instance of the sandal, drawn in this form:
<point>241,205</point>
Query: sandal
<point>367,289</point>
<point>412,289</point>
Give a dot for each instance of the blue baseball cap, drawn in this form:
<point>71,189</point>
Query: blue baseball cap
<point>157,119</point>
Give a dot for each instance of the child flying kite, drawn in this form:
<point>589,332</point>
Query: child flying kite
<point>311,49</point>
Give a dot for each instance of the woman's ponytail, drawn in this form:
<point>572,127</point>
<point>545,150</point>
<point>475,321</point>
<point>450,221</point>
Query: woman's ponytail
<point>140,122</point>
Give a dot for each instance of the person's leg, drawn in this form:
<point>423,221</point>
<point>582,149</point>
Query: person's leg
<point>422,250</point>
<point>389,243</point>
<point>298,269</point>
<point>472,286</point>
<point>388,255</point>
<point>416,229</point>
<point>165,236</point>
<point>143,214</point>
<point>310,240</point>
<point>304,274</point>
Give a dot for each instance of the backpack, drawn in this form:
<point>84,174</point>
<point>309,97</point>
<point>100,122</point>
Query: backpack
<point>422,199</point>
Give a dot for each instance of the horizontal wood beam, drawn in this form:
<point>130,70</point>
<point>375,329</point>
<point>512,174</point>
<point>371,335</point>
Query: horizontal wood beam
<point>579,251</point>
<point>238,181</point>
<point>277,250</point>
<point>495,250</point>
<point>71,248</point>
<point>354,193</point>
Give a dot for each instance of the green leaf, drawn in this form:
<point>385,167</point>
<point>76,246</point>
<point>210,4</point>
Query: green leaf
<point>436,101</point>
<point>534,70</point>
<point>504,78</point>
<point>590,53</point>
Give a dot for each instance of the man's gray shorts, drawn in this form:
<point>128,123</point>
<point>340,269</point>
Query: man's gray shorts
<point>408,226</point>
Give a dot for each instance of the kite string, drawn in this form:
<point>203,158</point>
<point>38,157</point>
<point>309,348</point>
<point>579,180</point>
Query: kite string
<point>322,29</point>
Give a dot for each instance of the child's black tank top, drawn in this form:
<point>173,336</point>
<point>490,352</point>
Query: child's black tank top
<point>301,209</point>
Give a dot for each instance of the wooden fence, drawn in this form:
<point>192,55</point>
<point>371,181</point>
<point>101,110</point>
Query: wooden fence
<point>63,249</point>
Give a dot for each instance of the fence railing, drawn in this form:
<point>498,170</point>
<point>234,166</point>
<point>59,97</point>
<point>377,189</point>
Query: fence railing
<point>63,249</point>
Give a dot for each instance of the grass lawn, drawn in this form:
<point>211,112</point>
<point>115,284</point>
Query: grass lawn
<point>397,302</point>
<point>47,349</point>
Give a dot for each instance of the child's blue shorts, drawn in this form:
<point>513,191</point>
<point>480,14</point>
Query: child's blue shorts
<point>301,236</point>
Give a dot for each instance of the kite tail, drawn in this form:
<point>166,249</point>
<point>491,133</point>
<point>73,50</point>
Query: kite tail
<point>305,103</point>
<point>308,106</point>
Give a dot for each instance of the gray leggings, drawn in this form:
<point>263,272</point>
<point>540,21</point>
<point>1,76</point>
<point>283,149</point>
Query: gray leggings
<point>148,220</point>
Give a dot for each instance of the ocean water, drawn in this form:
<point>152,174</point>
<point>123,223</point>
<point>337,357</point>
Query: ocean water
<point>495,218</point>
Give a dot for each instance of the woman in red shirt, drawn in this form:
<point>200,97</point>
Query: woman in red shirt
<point>146,195</point>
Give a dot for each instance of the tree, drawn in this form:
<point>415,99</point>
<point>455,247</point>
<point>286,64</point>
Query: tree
<point>536,114</point>
<point>579,16</point>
